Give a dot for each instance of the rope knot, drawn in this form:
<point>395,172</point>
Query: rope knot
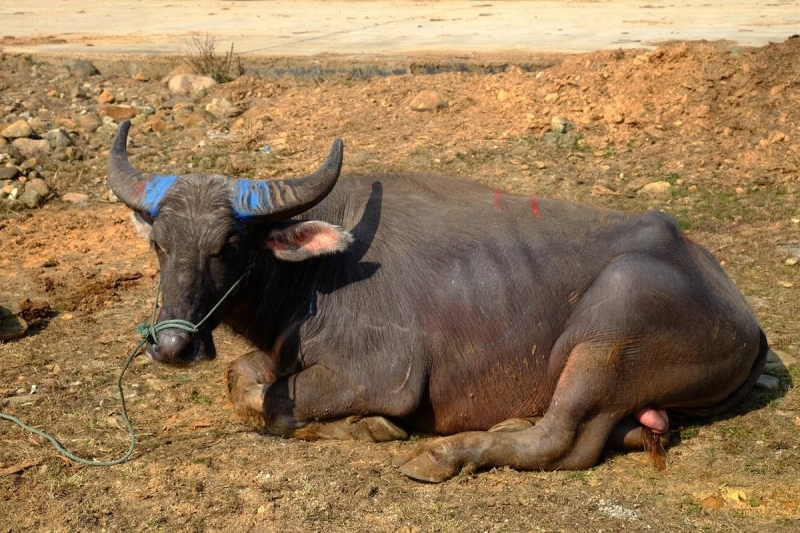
<point>147,332</point>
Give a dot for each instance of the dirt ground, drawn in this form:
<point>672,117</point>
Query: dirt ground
<point>718,124</point>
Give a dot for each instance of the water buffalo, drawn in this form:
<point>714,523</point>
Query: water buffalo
<point>535,332</point>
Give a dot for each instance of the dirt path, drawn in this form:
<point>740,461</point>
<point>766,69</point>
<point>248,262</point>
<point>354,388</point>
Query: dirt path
<point>363,28</point>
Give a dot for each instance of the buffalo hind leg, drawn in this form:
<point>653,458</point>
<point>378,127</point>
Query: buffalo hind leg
<point>252,375</point>
<point>571,435</point>
<point>629,434</point>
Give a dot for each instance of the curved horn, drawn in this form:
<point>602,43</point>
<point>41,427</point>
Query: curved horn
<point>269,201</point>
<point>139,191</point>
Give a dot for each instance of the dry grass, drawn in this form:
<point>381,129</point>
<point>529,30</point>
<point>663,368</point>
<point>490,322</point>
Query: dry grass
<point>203,57</point>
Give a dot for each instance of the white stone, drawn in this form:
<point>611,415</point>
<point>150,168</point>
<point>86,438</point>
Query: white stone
<point>187,83</point>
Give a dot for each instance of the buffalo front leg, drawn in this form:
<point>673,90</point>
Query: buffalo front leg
<point>283,404</point>
<point>248,378</point>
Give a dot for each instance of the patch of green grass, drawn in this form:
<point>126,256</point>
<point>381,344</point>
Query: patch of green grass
<point>199,399</point>
<point>691,508</point>
<point>577,475</point>
<point>689,433</point>
<point>578,143</point>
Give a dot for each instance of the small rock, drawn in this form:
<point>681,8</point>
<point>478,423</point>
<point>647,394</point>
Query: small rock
<point>31,199</point>
<point>78,92</point>
<point>502,96</point>
<point>85,68</point>
<point>188,83</point>
<point>109,196</point>
<point>779,360</point>
<point>777,137</point>
<point>768,382</point>
<point>11,154</point>
<point>89,122</point>
<point>29,147</point>
<point>28,165</point>
<point>551,97</point>
<point>8,173</point>
<point>138,72</point>
<point>109,126</point>
<point>38,185</point>
<point>199,94</point>
<point>12,204</point>
<point>656,189</point>
<point>428,100</point>
<point>58,138</point>
<point>118,112</point>
<point>155,124</point>
<point>73,153</point>
<point>145,110</point>
<point>172,103</point>
<point>194,119</point>
<point>106,97</point>
<point>183,68</point>
<point>220,108</point>
<point>560,125</point>
<point>18,130</point>
<point>12,325</point>
<point>75,198</point>
<point>792,261</point>
<point>138,120</point>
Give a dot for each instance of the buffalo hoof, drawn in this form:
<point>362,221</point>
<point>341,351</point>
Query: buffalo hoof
<point>367,429</point>
<point>434,462</point>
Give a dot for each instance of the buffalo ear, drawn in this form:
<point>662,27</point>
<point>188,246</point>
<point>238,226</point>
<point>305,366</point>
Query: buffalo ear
<point>299,241</point>
<point>143,226</point>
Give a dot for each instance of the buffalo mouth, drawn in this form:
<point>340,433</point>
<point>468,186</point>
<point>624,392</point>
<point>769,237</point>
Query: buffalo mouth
<point>178,348</point>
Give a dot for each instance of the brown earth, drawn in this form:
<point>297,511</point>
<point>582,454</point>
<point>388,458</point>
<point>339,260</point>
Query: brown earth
<point>720,125</point>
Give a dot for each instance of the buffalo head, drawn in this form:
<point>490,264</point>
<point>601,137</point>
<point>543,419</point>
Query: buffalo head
<point>204,230</point>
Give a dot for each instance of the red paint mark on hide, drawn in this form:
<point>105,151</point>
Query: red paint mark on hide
<point>138,190</point>
<point>535,206</point>
<point>497,200</point>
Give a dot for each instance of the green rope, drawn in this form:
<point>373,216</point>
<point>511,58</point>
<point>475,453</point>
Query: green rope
<point>147,332</point>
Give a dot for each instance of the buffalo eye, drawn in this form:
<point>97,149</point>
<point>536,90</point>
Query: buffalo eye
<point>227,250</point>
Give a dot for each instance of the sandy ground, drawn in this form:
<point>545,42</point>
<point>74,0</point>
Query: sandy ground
<point>306,27</point>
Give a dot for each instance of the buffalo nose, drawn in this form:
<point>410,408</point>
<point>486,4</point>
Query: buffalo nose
<point>174,346</point>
